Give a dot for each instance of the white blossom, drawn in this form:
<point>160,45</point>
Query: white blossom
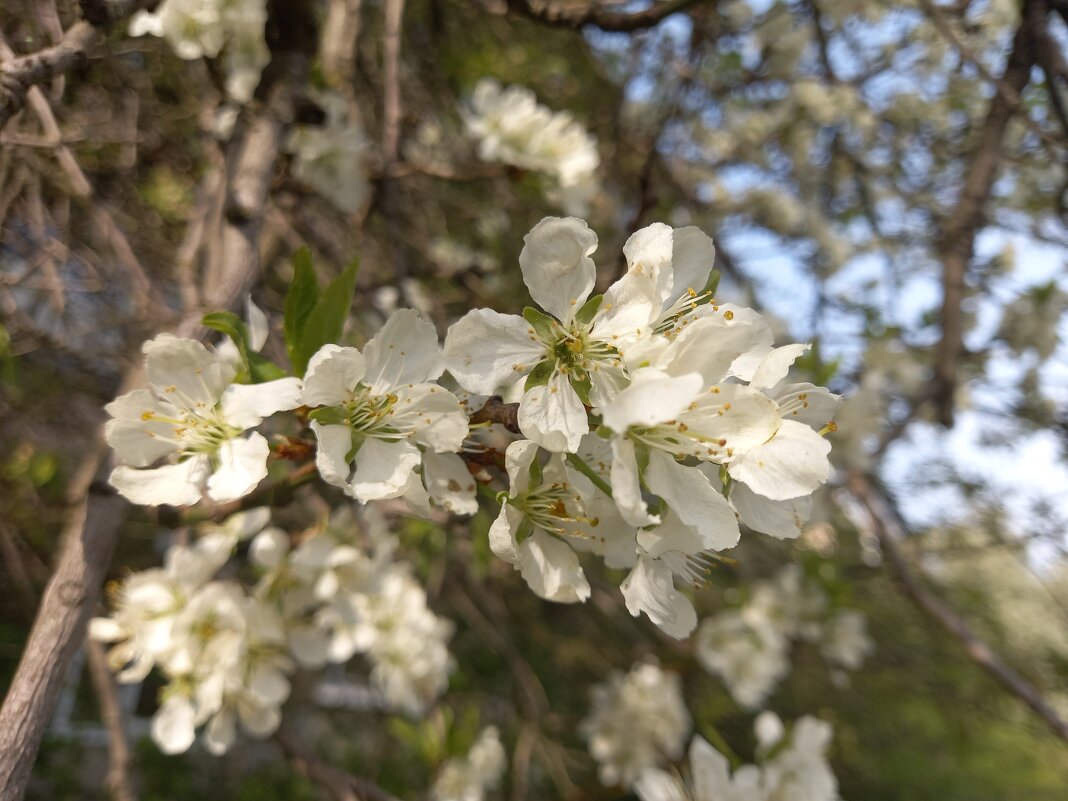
<point>331,157</point>
<point>192,415</point>
<point>468,778</point>
<point>638,721</point>
<point>381,404</point>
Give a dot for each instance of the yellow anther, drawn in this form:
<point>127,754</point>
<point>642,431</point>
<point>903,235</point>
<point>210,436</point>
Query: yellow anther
<point>729,315</point>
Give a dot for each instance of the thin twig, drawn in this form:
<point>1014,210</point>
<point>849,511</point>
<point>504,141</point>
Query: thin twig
<point>888,529</point>
<point>593,13</point>
<point>341,784</point>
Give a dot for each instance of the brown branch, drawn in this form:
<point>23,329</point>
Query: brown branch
<point>118,777</point>
<point>593,13</point>
<point>495,410</point>
<point>391,93</point>
<point>18,75</point>
<point>73,591</point>
<point>956,243</point>
<point>341,784</point>
<point>888,529</point>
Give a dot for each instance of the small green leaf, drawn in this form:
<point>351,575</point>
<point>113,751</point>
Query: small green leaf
<point>330,415</point>
<point>326,322</point>
<point>234,327</point>
<point>540,375</point>
<point>262,369</point>
<point>584,316</point>
<point>544,325</point>
<point>300,301</point>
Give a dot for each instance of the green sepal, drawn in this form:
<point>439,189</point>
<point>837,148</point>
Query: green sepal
<point>540,375</point>
<point>544,325</point>
<point>234,327</point>
<point>724,476</point>
<point>263,369</point>
<point>584,316</point>
<point>526,529</point>
<point>712,284</point>
<point>603,431</point>
<point>535,472</point>
<point>330,415</point>
<point>582,386</point>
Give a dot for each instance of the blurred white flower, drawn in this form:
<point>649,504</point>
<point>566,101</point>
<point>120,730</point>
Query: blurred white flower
<point>331,158</point>
<point>468,778</point>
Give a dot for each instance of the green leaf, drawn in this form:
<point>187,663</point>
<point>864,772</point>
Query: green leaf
<point>300,302</point>
<point>234,327</point>
<point>262,369</point>
<point>326,321</point>
<point>540,375</point>
<point>584,316</point>
<point>544,325</point>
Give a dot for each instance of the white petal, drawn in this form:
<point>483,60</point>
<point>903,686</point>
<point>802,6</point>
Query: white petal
<point>708,345</point>
<point>184,371</point>
<point>258,327</point>
<point>775,366</point>
<point>629,306</point>
<point>136,441</point>
<point>653,397</point>
<point>433,414</point>
<point>626,485</point>
<point>692,497</point>
<point>450,483</point>
<point>404,351</point>
<point>242,465</point>
<point>792,463</point>
<point>648,252</point>
<point>806,403</point>
<point>260,720</point>
<point>650,588</point>
<point>173,727</point>
<point>732,418</point>
<point>656,785</point>
<point>331,457</point>
<point>221,731</point>
<point>517,461</point>
<point>269,548</point>
<point>383,469</point>
<point>556,265</point>
<point>502,534</point>
<point>709,770</point>
<point>692,257</point>
<point>333,372</point>
<point>553,416</point>
<point>269,685</point>
<point>552,569</point>
<point>104,629</point>
<point>174,484</point>
<point>782,519</point>
<point>245,405</point>
<point>485,350</point>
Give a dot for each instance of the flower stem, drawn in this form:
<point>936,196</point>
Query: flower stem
<point>576,461</point>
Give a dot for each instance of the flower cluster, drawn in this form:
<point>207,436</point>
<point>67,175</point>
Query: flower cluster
<point>227,650</point>
<point>749,647</point>
<point>202,28</point>
<point>468,778</point>
<point>638,721</point>
<point>795,768</point>
<point>513,128</point>
<point>331,158</point>
<point>655,395</point>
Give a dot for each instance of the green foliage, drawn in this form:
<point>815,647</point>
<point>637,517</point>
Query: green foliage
<point>255,368</point>
<point>314,318</point>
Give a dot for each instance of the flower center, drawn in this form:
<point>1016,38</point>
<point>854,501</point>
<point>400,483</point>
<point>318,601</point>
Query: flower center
<point>555,508</point>
<point>366,414</point>
<point>195,433</point>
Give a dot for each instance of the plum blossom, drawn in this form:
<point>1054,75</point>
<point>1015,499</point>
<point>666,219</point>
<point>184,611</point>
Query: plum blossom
<point>638,721</point>
<point>796,770</point>
<point>572,356</point>
<point>331,157</point>
<point>373,410</point>
<point>513,128</point>
<point>192,415</point>
<point>469,777</point>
